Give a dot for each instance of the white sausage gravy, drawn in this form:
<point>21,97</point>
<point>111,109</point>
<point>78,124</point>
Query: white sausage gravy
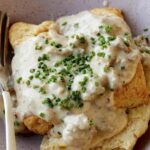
<point>68,76</point>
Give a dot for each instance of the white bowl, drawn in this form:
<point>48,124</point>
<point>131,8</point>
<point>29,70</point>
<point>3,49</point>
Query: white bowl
<point>137,13</point>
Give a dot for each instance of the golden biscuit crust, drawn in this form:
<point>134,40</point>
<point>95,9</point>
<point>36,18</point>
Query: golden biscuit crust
<point>134,93</point>
<point>37,125</point>
<point>20,31</point>
<point>107,11</point>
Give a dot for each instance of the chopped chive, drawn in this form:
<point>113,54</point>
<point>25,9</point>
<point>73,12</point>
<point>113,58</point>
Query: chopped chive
<point>76,25</point>
<point>32,70</point>
<point>42,115</point>
<point>59,133</point>
<point>126,43</point>
<point>101,54</point>
<point>45,57</point>
<point>53,78</point>
<point>145,30</point>
<point>58,63</point>
<point>48,102</point>
<point>54,44</point>
<point>90,55</point>
<point>35,86</point>
<point>37,47</point>
<point>76,95</point>
<point>101,26</point>
<point>37,74</point>
<point>16,123</point>
<point>81,39</point>
<point>106,28</point>
<point>146,51</point>
<point>72,45</point>
<point>19,80</point>
<point>83,84</point>
<point>91,122</point>
<point>93,40</point>
<point>126,39</point>
<point>46,41</point>
<point>122,67</point>
<point>102,42</point>
<point>79,105</point>
<point>42,90</point>
<point>30,77</point>
<point>106,69</point>
<point>62,78</point>
<point>111,38</point>
<point>58,45</point>
<point>64,23</point>
<point>73,36</point>
<point>28,82</point>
